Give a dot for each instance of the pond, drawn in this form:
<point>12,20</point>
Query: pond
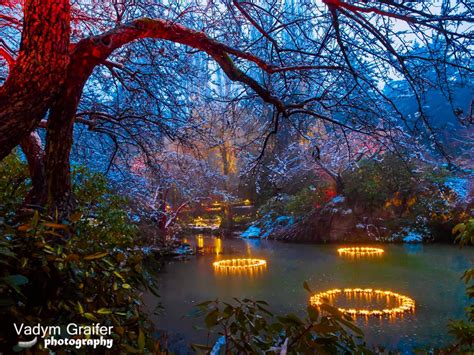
<point>430,274</point>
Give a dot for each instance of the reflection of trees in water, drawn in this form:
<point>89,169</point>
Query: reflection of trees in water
<point>209,246</point>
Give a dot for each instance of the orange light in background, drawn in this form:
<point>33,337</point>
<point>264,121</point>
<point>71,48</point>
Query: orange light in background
<point>360,251</point>
<point>200,223</point>
<point>405,304</point>
<point>239,264</point>
<point>200,241</point>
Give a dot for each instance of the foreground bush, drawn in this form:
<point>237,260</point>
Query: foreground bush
<point>14,185</point>
<point>463,330</point>
<point>248,327</point>
<point>84,270</point>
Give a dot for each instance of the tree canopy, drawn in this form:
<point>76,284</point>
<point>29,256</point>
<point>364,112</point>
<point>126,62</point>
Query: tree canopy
<point>137,71</point>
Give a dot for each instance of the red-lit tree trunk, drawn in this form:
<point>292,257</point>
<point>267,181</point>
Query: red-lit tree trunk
<point>59,132</point>
<point>46,76</point>
<point>93,51</point>
<point>38,71</point>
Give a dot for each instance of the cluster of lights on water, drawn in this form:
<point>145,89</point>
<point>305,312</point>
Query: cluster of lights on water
<point>360,251</point>
<point>405,303</point>
<point>239,264</point>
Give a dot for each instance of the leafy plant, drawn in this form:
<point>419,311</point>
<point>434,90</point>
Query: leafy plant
<point>308,198</point>
<point>84,270</point>
<point>53,275</point>
<point>248,326</point>
<point>463,330</point>
<point>103,213</point>
<point>14,184</point>
<point>374,182</point>
<point>465,232</point>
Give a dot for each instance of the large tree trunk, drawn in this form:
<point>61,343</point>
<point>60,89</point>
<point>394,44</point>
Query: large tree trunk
<point>34,79</point>
<point>59,132</point>
<point>47,91</point>
<point>340,185</point>
<point>59,137</point>
<point>33,150</point>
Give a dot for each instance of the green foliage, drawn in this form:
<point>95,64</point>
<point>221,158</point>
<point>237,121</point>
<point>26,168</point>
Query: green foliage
<point>308,198</point>
<point>14,183</point>
<point>463,330</point>
<point>53,275</point>
<point>373,183</point>
<point>300,203</point>
<point>275,204</point>
<point>249,327</point>
<point>465,232</point>
<point>105,214</point>
<point>84,270</point>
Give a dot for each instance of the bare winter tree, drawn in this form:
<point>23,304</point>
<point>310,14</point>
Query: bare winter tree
<point>303,58</point>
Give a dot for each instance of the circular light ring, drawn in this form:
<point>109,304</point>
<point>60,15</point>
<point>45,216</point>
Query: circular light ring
<point>239,264</point>
<point>406,304</point>
<point>360,251</point>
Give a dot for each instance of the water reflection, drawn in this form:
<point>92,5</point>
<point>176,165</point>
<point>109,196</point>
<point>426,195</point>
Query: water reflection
<point>200,241</point>
<point>218,245</point>
<point>431,277</point>
<point>415,248</point>
<point>208,246</point>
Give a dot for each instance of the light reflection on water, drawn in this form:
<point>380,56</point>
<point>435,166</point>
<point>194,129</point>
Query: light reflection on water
<point>430,274</point>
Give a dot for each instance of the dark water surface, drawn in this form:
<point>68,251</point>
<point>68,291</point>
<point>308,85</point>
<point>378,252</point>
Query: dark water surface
<point>430,274</point>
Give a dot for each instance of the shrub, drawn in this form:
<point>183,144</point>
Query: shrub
<point>276,204</point>
<point>14,184</point>
<point>53,275</point>
<point>84,270</point>
<point>104,213</point>
<point>374,183</point>
<point>463,330</point>
<point>308,198</point>
<point>248,327</point>
<point>300,203</point>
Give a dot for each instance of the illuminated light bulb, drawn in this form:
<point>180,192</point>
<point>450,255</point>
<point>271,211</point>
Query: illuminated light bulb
<point>405,304</point>
<point>360,251</point>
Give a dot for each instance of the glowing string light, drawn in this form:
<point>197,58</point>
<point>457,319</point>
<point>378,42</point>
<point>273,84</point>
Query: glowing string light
<point>239,264</point>
<point>360,251</point>
<point>405,304</point>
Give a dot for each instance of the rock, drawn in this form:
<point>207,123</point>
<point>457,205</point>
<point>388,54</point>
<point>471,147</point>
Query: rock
<point>413,237</point>
<point>337,200</point>
<point>184,249</point>
<point>267,225</point>
<point>285,220</point>
<point>333,223</point>
<point>251,232</point>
